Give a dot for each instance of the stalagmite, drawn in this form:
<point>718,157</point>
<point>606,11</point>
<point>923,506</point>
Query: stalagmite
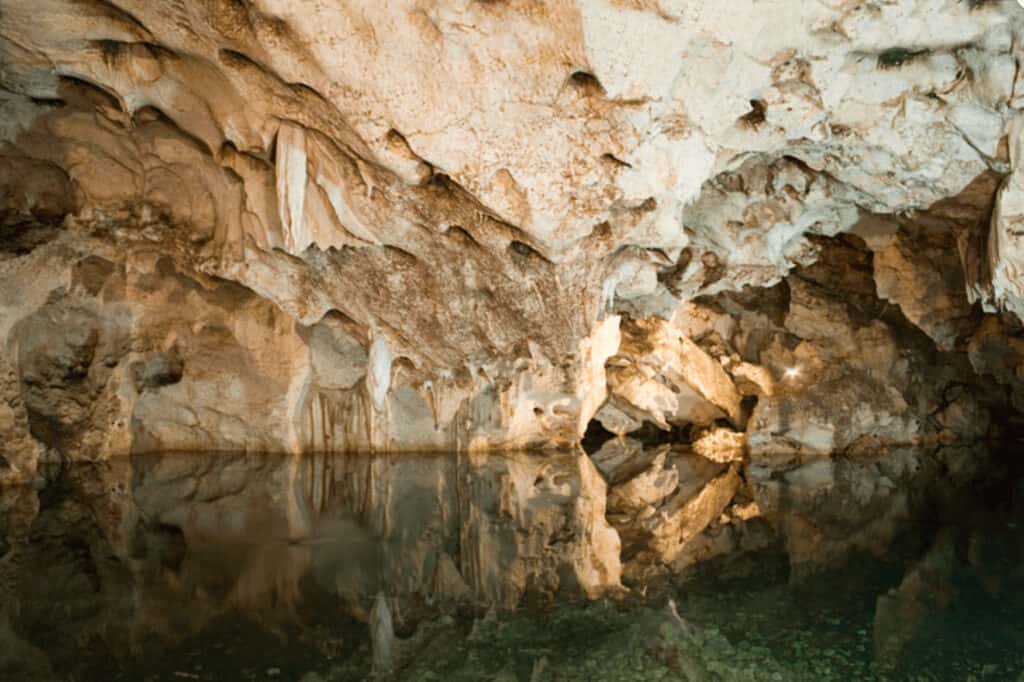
<point>382,634</point>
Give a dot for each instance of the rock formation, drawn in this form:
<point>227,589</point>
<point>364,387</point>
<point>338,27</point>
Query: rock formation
<point>766,259</point>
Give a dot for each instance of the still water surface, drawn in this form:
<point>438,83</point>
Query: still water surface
<point>228,567</point>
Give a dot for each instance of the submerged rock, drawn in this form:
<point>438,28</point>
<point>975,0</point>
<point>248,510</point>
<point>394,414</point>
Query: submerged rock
<point>382,635</point>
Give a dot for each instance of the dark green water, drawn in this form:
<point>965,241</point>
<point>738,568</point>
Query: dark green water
<point>261,568</point>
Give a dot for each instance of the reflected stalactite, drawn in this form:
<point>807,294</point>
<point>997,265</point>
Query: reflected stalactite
<point>165,546</point>
<point>108,559</point>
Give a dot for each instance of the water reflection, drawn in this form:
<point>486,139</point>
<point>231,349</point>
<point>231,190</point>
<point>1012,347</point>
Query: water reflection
<point>128,566</point>
<point>116,553</point>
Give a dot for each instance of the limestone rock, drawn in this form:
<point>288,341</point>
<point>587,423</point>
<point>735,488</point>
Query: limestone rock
<point>616,420</point>
<point>827,418</point>
<point>664,376</point>
<point>720,445</point>
<point>752,380</point>
<point>477,207</point>
<point>996,351</point>
<point>1005,247</point>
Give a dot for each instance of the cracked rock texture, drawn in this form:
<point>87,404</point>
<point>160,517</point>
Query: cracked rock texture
<point>783,238</point>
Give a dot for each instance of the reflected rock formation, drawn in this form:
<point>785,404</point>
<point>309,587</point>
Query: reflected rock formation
<point>105,559</point>
<point>112,554</point>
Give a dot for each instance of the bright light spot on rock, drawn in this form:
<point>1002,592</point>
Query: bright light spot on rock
<point>794,372</point>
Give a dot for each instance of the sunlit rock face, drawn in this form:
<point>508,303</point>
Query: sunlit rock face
<point>783,238</point>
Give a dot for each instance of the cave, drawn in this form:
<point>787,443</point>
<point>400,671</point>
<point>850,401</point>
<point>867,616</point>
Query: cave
<point>519,340</point>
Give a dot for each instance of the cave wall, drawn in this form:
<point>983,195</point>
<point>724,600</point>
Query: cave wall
<point>458,225</point>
